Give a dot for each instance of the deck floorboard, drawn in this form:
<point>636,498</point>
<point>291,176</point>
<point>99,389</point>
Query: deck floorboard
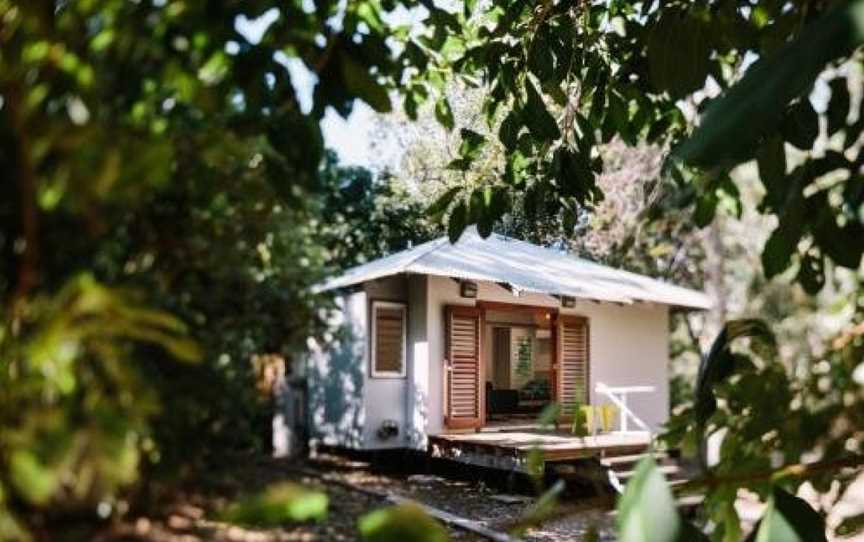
<point>483,447</point>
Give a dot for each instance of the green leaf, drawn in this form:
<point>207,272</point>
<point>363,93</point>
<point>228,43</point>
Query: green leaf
<point>409,104</point>
<point>472,143</point>
<point>476,206</point>
<point>719,364</point>
<point>35,481</point>
<point>458,221</point>
<point>620,116</point>
<point>540,59</point>
<point>771,159</point>
<point>574,175</point>
<point>500,202</point>
<point>790,519</point>
<point>678,54</point>
<point>401,523</point>
<point>360,83</point>
<point>444,114</point>
<point>811,273</point>
<point>850,525</point>
<point>443,202</point>
<point>778,250</point>
<point>508,132</point>
<point>646,511</point>
<point>754,106</point>
<point>840,243</point>
<point>279,504</point>
<point>706,208</point>
<point>538,119</point>
<point>801,125</point>
<point>838,105</point>
<point>468,7</point>
<point>459,164</point>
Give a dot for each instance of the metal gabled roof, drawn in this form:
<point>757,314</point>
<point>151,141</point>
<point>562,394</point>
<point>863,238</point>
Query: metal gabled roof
<point>524,266</point>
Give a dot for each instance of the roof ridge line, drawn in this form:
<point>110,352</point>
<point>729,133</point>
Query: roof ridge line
<point>435,245</point>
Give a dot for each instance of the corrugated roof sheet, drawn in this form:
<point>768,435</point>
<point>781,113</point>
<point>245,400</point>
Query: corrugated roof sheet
<point>524,266</point>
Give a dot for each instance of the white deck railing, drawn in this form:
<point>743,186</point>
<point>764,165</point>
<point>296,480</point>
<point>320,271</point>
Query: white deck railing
<point>618,396</point>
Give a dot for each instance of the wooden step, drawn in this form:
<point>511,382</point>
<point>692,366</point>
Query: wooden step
<point>667,471</point>
<point>617,461</point>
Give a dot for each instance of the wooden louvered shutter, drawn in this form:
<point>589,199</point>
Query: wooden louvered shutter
<point>388,339</point>
<point>464,385</point>
<point>573,363</point>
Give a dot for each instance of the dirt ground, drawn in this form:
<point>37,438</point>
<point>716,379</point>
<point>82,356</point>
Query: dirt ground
<point>357,487</point>
<point>187,516</point>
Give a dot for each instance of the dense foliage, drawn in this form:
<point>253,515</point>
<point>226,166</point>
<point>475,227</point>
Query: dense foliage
<point>163,201</point>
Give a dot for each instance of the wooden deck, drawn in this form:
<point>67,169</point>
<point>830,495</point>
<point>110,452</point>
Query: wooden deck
<point>509,449</point>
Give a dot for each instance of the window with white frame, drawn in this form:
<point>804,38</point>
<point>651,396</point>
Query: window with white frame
<point>389,328</point>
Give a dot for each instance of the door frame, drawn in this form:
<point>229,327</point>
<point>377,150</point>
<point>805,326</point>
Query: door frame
<point>554,314</point>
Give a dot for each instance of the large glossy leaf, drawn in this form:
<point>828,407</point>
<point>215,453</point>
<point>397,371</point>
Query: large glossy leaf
<point>540,59</point>
<point>440,205</point>
<point>678,54</point>
<point>647,511</point>
<point>777,253</point>
<point>838,106</point>
<point>801,125</point>
<point>457,222</point>
<point>754,106</point>
<point>790,519</point>
<point>771,159</point>
<point>778,250</point>
<point>538,119</point>
<point>719,364</point>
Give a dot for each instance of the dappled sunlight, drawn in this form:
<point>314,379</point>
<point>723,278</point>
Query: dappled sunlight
<point>335,375</point>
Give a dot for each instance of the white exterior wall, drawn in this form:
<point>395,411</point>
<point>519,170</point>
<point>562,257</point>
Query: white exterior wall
<point>442,291</point>
<point>384,398</point>
<point>335,377</point>
<point>629,346</point>
<point>419,371</point>
<point>347,405</point>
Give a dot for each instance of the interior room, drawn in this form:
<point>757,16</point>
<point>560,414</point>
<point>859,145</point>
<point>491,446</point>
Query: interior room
<point>518,358</point>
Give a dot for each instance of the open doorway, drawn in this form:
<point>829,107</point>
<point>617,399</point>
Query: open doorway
<point>518,361</point>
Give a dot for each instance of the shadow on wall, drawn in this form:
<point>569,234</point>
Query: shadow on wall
<point>418,421</point>
<point>335,380</point>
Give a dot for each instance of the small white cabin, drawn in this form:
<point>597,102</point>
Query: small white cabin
<point>445,338</point>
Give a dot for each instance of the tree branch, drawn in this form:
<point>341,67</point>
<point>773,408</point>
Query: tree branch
<point>799,470</point>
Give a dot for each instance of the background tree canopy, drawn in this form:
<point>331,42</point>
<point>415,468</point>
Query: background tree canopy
<point>166,194</point>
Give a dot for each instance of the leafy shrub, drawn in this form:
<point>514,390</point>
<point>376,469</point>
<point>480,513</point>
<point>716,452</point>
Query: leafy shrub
<point>279,504</point>
<point>401,523</point>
